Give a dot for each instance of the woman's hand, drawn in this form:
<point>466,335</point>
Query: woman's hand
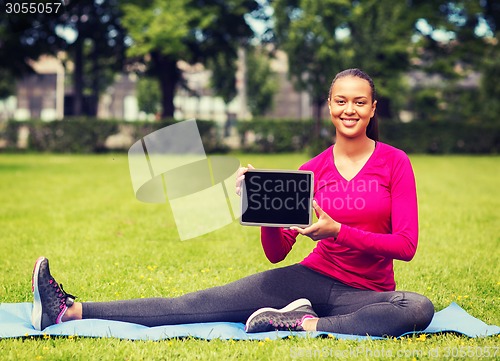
<point>240,175</point>
<point>325,226</point>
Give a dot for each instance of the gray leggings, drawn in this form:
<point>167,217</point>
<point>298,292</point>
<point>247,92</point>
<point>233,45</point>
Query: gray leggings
<point>341,308</point>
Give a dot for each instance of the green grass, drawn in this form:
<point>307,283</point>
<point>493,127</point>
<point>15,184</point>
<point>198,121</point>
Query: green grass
<point>103,244</point>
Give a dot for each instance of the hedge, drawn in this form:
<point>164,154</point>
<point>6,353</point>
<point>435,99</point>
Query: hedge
<point>90,135</point>
<point>419,136</point>
<point>443,137</point>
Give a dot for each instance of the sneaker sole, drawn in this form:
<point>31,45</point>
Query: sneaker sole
<point>36,313</point>
<point>290,307</point>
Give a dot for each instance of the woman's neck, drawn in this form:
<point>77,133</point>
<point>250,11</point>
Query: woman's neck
<point>353,147</point>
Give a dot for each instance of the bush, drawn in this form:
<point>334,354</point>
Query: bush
<point>258,135</point>
<point>89,135</point>
<point>435,137</point>
<point>274,136</point>
<point>73,136</point>
<point>442,137</point>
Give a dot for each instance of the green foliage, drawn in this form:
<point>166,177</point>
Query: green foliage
<point>452,103</point>
<point>206,31</point>
<point>262,82</point>
<point>305,30</point>
<point>450,44</point>
<point>7,84</point>
<point>460,38</point>
<point>261,135</point>
<point>442,137</point>
<point>380,34</point>
<point>424,103</point>
<point>382,38</point>
<point>222,80</point>
<point>95,45</point>
<point>268,136</point>
<point>148,95</point>
<point>88,135</point>
<point>490,86</point>
<point>419,136</point>
<point>161,26</point>
<point>73,136</point>
<point>323,38</point>
<point>24,37</point>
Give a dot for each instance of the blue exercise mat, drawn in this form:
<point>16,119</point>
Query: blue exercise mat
<point>15,321</point>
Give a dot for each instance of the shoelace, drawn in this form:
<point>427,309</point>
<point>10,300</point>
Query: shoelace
<point>296,323</point>
<point>65,299</point>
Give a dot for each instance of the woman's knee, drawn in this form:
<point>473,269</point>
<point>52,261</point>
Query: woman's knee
<point>421,308</point>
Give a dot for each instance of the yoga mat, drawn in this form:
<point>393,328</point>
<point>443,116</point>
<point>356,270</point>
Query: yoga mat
<point>15,321</point>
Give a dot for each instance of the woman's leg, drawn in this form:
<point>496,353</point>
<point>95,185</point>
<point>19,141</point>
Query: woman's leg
<point>233,302</point>
<point>363,312</point>
<point>341,308</point>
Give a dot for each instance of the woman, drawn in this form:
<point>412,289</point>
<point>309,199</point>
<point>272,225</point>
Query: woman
<point>365,200</point>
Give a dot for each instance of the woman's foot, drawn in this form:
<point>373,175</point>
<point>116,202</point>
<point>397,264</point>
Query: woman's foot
<point>288,318</point>
<point>50,301</point>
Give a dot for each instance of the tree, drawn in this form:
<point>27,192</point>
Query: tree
<point>7,82</point>
<point>88,31</point>
<point>221,80</point>
<point>461,38</point>
<point>148,95</point>
<point>262,83</point>
<point>97,51</point>
<point>23,37</point>
<point>323,38</point>
<point>307,31</point>
<point>164,32</point>
<point>380,33</point>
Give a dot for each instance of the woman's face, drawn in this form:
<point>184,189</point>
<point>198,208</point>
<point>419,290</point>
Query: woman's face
<point>351,106</point>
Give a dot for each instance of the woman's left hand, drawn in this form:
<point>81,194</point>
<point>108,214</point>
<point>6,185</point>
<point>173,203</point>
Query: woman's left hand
<point>325,226</point>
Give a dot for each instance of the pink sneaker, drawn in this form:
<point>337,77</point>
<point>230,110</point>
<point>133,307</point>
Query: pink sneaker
<point>50,301</point>
<point>288,318</point>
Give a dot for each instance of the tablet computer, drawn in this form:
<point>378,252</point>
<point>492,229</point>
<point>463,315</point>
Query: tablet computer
<point>277,198</point>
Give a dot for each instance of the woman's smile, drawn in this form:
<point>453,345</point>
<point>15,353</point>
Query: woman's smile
<point>349,122</point>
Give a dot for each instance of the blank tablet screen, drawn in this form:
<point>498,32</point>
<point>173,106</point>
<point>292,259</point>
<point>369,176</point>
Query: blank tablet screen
<point>277,198</point>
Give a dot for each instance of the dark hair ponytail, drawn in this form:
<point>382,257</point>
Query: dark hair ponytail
<point>372,129</point>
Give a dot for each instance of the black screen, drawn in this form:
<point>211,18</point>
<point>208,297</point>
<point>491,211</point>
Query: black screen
<point>277,198</point>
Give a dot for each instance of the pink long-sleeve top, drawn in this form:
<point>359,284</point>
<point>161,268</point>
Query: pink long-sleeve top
<point>378,213</point>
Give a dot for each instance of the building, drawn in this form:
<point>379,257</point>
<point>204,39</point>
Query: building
<point>41,95</point>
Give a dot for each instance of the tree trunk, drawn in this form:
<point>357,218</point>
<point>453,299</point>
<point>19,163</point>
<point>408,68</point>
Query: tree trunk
<point>94,101</point>
<point>168,76</point>
<point>78,78</point>
<point>78,70</point>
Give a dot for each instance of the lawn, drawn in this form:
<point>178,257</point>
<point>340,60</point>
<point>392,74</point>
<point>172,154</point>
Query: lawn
<point>80,212</point>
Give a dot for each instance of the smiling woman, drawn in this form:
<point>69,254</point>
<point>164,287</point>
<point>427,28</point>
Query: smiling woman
<point>352,104</point>
<point>345,285</point>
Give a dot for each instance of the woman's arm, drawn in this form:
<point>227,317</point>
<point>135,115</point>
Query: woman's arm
<point>401,243</point>
<point>277,242</point>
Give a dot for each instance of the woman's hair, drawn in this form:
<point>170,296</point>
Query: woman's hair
<point>372,129</point>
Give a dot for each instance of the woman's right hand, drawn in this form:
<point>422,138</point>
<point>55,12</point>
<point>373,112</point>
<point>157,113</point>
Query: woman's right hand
<point>240,175</point>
